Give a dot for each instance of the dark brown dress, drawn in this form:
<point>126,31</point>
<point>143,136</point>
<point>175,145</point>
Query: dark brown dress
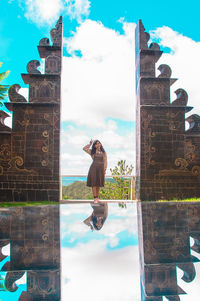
<point>96,171</point>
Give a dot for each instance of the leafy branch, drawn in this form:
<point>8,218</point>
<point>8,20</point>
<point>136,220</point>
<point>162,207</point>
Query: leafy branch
<point>3,88</point>
<point>119,187</point>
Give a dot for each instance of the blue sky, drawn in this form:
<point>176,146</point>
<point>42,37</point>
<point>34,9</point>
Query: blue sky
<point>20,34</point>
<point>98,64</point>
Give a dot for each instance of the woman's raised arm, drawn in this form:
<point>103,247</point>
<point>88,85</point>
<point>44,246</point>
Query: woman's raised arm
<point>87,148</point>
<point>87,222</point>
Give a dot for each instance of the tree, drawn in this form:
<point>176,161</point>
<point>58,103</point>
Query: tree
<point>3,88</point>
<point>122,169</point>
<point>119,187</point>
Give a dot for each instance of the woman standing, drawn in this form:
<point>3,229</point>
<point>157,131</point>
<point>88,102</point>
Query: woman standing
<point>96,174</point>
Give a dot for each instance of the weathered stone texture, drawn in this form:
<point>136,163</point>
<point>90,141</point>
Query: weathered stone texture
<point>167,156</point>
<point>30,151</point>
<point>34,237</point>
<point>164,231</point>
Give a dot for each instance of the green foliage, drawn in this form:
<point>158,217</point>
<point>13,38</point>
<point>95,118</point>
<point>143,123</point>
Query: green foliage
<point>3,88</point>
<point>116,188</point>
<point>111,191</point>
<point>122,169</point>
<point>177,200</point>
<point>77,191</point>
<point>119,189</point>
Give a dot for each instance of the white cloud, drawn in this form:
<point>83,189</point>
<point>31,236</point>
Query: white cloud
<point>24,92</point>
<point>74,164</point>
<point>191,288</point>
<point>6,250</point>
<point>78,9</point>
<point>78,227</point>
<point>97,88</point>
<point>48,11</point>
<point>90,266</point>
<point>70,209</point>
<point>74,137</point>
<point>114,227</point>
<point>8,120</point>
<point>130,212</point>
<point>117,146</point>
<point>22,280</point>
<point>43,11</point>
<point>108,135</point>
<point>100,83</point>
<point>113,242</point>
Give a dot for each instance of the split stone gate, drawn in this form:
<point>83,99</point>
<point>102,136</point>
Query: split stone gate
<point>168,156</point>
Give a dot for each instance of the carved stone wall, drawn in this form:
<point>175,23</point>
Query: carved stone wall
<point>34,237</point>
<point>164,231</point>
<point>30,151</point>
<point>168,160</point>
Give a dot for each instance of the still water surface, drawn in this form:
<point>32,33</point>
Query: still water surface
<point>78,251</point>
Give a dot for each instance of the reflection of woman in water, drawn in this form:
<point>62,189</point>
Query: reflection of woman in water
<point>98,216</point>
<point>98,167</point>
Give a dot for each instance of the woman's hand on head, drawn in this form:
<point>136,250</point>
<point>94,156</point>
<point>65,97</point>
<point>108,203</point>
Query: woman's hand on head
<point>91,141</point>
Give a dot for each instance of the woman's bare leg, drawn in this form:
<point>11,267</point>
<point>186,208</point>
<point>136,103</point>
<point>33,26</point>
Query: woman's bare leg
<point>97,191</point>
<point>94,191</point>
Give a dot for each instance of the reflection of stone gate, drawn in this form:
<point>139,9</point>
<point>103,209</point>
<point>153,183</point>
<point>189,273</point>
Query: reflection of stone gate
<point>168,157</point>
<point>29,152</point>
<point>34,237</point>
<point>164,231</point>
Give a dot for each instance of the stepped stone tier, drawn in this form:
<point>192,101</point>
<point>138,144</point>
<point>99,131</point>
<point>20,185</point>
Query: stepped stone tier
<point>168,156</point>
<point>30,151</point>
<point>164,232</point>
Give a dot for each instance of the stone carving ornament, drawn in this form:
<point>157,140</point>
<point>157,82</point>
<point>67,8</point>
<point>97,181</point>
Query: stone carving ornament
<point>32,67</point>
<point>14,96</point>
<point>44,42</point>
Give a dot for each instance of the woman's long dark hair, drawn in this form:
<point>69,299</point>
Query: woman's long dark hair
<point>93,151</point>
<point>94,222</point>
